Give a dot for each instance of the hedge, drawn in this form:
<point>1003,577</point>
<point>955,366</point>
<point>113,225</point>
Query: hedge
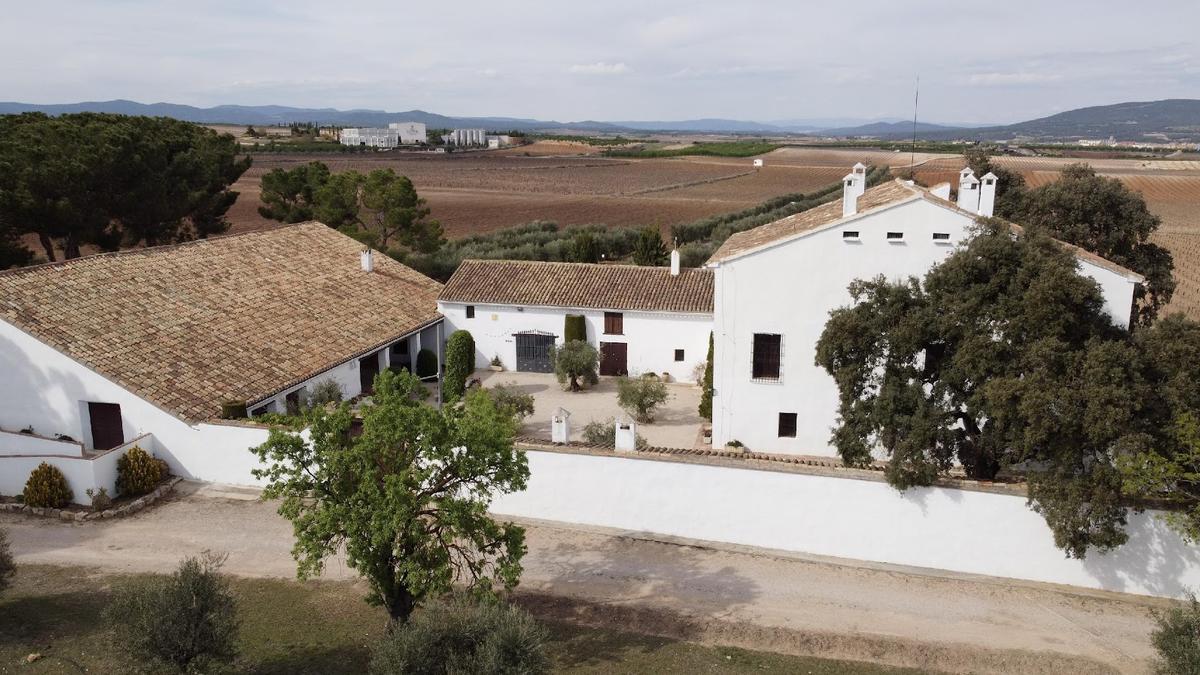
<point>460,363</point>
<point>575,328</point>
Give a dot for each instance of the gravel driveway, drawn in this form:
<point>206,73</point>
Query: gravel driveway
<point>718,595</point>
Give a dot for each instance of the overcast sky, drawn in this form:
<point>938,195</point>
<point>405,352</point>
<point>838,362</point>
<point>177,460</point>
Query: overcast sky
<point>979,61</point>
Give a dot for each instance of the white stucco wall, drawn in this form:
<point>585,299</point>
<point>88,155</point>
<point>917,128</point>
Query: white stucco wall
<point>13,443</point>
<point>790,290</point>
<point>81,473</point>
<point>652,337</point>
<point>935,528</point>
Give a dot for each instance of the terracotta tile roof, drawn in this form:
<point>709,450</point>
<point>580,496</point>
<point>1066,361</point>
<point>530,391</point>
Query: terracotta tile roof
<point>881,196</point>
<point>237,317</point>
<point>556,284</point>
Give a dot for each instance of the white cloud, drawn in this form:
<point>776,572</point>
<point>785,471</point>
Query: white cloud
<point>1008,79</point>
<point>600,68</point>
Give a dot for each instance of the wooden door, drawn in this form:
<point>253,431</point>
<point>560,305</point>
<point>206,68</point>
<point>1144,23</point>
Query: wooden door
<point>368,368</point>
<point>614,358</point>
<point>107,431</point>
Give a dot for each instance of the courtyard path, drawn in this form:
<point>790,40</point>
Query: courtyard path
<point>731,596</point>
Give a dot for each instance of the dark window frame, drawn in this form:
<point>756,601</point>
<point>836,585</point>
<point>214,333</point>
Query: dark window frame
<point>470,311</point>
<point>679,355</point>
<point>614,323</point>
<point>895,236</point>
<point>787,425</point>
<point>941,236</point>
<point>850,234</point>
<point>766,365</point>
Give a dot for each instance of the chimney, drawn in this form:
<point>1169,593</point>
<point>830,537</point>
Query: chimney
<point>987,195</point>
<point>968,190</point>
<point>860,177</point>
<point>675,262</point>
<point>367,259</point>
<point>849,196</point>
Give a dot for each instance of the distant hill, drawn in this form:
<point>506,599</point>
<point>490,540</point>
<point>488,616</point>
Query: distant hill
<point>888,129</point>
<point>1170,119</point>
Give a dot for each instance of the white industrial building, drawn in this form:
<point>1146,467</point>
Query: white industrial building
<point>467,137</point>
<point>640,319</point>
<point>395,135</point>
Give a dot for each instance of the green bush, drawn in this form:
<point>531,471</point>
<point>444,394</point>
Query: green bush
<point>101,501</point>
<point>574,328</point>
<point>187,621</point>
<point>137,473</point>
<point>512,399</point>
<point>649,250</point>
<point>325,392</point>
<point>47,488</point>
<point>706,394</point>
<point>464,635</point>
<point>600,432</point>
<point>1177,638</point>
<point>460,363</point>
<point>575,363</point>
<point>427,365</point>
<point>641,396</point>
<point>8,568</point>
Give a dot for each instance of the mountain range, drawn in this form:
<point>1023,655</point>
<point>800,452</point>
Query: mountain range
<point>1172,119</point>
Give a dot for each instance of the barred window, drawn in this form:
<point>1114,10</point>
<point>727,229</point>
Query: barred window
<point>767,353</point>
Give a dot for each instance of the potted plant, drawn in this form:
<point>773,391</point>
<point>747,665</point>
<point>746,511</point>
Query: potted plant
<point>497,365</point>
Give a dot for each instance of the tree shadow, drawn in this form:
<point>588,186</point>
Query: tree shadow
<point>1155,560</point>
<point>312,660</point>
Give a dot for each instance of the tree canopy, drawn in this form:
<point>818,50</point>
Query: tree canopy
<point>381,208</point>
<point>407,498</point>
<point>111,180</point>
<point>1000,358</point>
<point>1103,216</point>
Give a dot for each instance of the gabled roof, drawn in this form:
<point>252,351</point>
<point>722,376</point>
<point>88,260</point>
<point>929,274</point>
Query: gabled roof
<point>883,196</point>
<point>581,285</point>
<point>241,317</point>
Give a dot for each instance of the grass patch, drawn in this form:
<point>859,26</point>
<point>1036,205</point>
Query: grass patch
<point>718,149</point>
<point>326,627</point>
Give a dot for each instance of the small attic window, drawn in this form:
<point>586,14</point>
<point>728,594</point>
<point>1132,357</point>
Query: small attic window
<point>941,236</point>
<point>849,234</point>
<point>895,236</point>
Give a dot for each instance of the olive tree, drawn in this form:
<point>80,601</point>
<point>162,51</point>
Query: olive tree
<point>408,498</point>
<point>576,361</point>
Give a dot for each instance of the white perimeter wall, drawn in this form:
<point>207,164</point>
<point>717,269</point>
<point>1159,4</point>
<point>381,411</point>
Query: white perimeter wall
<point>81,473</point>
<point>652,337</point>
<point>939,528</point>
<point>46,389</point>
<point>790,290</point>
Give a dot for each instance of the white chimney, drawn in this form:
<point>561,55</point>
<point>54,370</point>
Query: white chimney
<point>860,177</point>
<point>675,262</point>
<point>849,196</point>
<point>968,190</point>
<point>367,259</point>
<point>987,195</point>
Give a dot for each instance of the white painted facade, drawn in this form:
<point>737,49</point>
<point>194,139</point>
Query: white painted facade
<point>788,288</point>
<point>652,337</point>
<point>934,527</point>
<point>395,135</point>
<point>49,391</point>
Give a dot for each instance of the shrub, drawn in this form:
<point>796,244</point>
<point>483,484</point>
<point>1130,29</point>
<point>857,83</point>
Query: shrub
<point>187,620</point>
<point>575,361</point>
<point>325,392</point>
<point>574,328</point>
<point>460,363</point>
<point>649,250</point>
<point>601,433</point>
<point>706,395</point>
<point>233,410</point>
<point>100,499</point>
<point>427,365</point>
<point>137,473</point>
<point>641,396</point>
<point>463,635</point>
<point>512,399</point>
<point>1177,638</point>
<point>8,568</point>
<point>47,488</point>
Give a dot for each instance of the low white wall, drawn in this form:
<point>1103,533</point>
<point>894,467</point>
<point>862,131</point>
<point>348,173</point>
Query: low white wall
<point>12,443</point>
<point>82,473</point>
<point>939,528</point>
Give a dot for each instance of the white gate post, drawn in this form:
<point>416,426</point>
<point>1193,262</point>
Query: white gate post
<point>560,426</point>
<point>626,435</point>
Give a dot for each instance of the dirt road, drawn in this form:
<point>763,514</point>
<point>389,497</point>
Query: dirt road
<point>740,597</point>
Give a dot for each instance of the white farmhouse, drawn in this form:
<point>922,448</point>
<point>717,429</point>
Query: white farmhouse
<point>144,347</point>
<point>641,319</point>
<point>776,284</point>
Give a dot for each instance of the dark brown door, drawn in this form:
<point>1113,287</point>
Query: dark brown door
<point>106,425</point>
<point>368,368</point>
<point>614,358</point>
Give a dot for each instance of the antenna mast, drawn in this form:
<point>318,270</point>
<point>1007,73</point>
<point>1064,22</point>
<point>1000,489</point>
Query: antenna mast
<point>912,155</point>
